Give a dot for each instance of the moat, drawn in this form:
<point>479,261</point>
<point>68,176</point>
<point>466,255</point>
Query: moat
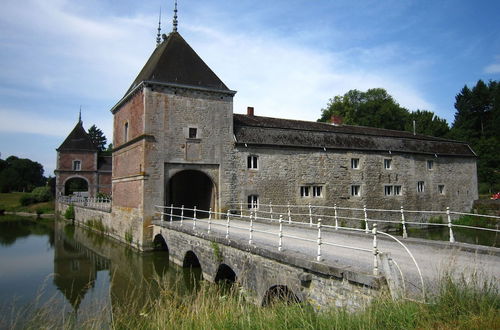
<point>73,270</point>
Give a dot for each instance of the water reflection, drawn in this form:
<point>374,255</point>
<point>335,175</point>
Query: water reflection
<point>88,270</point>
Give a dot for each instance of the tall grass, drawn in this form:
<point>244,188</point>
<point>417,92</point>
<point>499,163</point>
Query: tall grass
<point>458,304</point>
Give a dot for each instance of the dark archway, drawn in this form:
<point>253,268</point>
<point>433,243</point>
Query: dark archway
<point>73,185</point>
<point>192,271</point>
<point>191,188</point>
<point>159,243</point>
<point>225,275</point>
<point>279,294</point>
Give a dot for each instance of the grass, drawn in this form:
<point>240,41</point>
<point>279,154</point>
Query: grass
<point>10,202</point>
<point>459,304</point>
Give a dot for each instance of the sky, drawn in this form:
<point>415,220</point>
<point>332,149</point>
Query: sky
<point>286,58</point>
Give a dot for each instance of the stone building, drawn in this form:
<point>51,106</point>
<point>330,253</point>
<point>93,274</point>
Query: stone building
<point>178,142</point>
<point>79,162</point>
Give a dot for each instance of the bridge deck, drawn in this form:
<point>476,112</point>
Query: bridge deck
<point>434,258</point>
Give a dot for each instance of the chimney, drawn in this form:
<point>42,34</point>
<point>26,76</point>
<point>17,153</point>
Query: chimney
<point>249,111</point>
<point>336,120</point>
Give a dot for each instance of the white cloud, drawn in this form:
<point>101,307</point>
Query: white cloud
<point>492,68</point>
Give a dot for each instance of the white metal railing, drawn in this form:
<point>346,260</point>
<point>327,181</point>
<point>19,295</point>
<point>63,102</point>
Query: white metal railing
<point>172,214</point>
<point>310,213</point>
<point>100,203</point>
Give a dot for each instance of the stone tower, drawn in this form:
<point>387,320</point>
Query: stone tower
<point>173,138</point>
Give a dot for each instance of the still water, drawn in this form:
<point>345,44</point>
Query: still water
<point>75,271</point>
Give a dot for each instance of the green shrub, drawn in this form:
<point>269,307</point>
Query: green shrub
<point>70,213</point>
<point>39,211</point>
<point>26,199</point>
<point>41,194</point>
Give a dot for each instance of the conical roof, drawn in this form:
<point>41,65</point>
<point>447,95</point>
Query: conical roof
<point>174,61</point>
<point>78,140</point>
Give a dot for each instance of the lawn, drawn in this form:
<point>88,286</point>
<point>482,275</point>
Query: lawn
<point>10,202</point>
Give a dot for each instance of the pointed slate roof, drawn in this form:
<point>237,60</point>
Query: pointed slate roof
<point>77,140</point>
<point>174,61</point>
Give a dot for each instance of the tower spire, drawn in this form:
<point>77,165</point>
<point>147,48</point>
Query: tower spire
<point>175,22</point>
<point>158,36</point>
<point>80,115</point>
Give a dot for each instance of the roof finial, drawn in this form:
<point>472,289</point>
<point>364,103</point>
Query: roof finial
<point>158,36</point>
<point>175,22</point>
<point>80,115</point>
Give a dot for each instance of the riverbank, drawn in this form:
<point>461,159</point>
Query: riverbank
<point>457,305</point>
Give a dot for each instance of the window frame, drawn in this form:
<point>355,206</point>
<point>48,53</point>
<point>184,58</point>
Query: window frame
<point>315,189</point>
<point>430,164</point>
<point>192,129</point>
<point>355,190</point>
<point>253,202</point>
<point>79,162</point>
<point>252,162</point>
<point>355,164</point>
<point>305,191</point>
<point>125,131</point>
<point>399,190</point>
<point>420,186</point>
<point>388,190</point>
<point>387,161</point>
<point>441,189</point>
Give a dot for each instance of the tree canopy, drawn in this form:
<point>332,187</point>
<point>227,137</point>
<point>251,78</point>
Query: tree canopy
<point>477,121</point>
<point>20,174</point>
<point>377,108</point>
<point>97,137</point>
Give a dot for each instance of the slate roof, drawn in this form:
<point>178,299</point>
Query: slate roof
<point>77,140</point>
<point>268,131</point>
<point>174,61</point>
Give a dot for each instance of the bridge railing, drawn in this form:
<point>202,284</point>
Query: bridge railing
<point>400,218</point>
<point>99,203</point>
<point>178,215</point>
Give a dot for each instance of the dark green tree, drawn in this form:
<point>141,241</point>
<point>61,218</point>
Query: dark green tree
<point>97,137</point>
<point>477,121</point>
<point>427,123</point>
<point>21,174</point>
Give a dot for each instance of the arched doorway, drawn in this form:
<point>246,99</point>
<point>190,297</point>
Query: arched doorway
<point>75,184</point>
<point>191,188</point>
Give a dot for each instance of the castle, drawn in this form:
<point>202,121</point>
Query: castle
<point>177,141</point>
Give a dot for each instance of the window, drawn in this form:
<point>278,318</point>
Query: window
<point>388,190</point>
<point>253,201</point>
<point>252,162</point>
<point>430,164</point>
<point>193,132</point>
<point>355,190</point>
<point>397,190</point>
<point>77,165</point>
<point>317,191</point>
<point>441,189</point>
<point>125,132</point>
<point>355,163</point>
<point>304,191</point>
<point>387,164</point>
<point>420,186</point>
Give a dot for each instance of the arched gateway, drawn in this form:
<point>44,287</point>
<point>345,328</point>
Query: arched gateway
<point>191,188</point>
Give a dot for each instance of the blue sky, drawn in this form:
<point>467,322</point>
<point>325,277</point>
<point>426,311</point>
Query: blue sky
<point>284,57</point>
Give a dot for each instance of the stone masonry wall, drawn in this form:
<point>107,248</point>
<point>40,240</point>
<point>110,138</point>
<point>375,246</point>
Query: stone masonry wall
<point>282,172</point>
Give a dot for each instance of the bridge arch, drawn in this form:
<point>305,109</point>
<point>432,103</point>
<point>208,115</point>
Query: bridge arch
<point>191,188</point>
<point>191,260</point>
<point>225,274</point>
<point>159,243</point>
<point>76,183</point>
<point>279,293</point>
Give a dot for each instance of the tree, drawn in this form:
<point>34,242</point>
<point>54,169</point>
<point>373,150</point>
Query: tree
<point>21,174</point>
<point>427,123</point>
<point>97,137</point>
<point>376,108</point>
<point>477,121</point>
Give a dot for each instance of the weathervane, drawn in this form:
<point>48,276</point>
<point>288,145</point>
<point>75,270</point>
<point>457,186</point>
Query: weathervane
<point>158,36</point>
<point>175,22</point>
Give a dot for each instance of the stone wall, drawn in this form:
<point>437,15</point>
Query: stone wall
<point>281,172</point>
<point>258,271</point>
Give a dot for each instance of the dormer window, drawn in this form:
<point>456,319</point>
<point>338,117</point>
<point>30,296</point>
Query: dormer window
<point>77,165</point>
<point>125,132</point>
